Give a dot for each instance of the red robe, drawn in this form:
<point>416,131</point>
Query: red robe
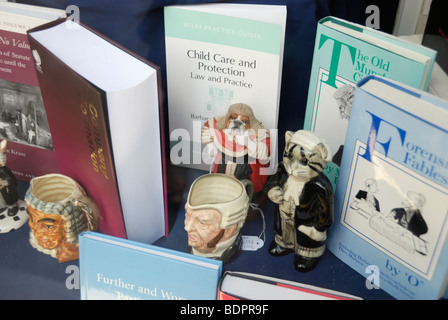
<point>235,151</point>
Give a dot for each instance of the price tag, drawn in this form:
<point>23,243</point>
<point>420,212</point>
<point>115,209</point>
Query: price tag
<point>251,243</point>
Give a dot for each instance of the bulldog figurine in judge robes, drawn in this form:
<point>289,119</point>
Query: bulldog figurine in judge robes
<point>240,146</point>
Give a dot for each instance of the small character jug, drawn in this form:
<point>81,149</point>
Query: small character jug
<point>215,212</point>
<point>59,210</point>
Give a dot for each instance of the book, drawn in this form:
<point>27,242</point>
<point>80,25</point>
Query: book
<point>391,200</point>
<point>23,121</point>
<point>218,55</point>
<point>250,286</point>
<point>344,53</point>
<point>120,269</point>
<point>103,104</point>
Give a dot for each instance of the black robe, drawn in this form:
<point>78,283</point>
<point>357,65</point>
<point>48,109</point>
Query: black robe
<point>316,207</point>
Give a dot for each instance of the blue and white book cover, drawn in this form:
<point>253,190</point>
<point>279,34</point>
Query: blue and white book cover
<point>112,268</point>
<point>391,200</point>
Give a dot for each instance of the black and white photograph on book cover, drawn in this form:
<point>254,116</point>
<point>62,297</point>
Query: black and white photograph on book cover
<point>404,217</point>
<point>22,115</point>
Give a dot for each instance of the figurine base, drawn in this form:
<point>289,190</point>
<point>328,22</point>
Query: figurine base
<point>305,264</point>
<point>13,217</point>
<point>277,250</point>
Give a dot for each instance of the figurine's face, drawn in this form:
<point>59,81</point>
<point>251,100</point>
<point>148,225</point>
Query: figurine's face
<point>47,228</point>
<point>204,233</point>
<point>203,229</point>
<point>237,123</point>
<point>305,155</point>
<point>301,162</point>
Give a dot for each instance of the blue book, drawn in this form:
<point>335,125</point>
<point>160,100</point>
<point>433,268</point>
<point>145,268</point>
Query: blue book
<point>113,268</point>
<point>345,53</point>
<point>391,200</point>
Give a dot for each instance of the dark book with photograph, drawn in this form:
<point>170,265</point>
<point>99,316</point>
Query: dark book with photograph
<point>23,120</point>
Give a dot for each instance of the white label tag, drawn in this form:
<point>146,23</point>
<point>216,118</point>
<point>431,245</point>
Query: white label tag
<point>251,243</point>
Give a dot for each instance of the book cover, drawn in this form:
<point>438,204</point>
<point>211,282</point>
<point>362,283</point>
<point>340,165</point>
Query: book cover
<point>23,120</point>
<point>391,201</point>
<point>249,286</point>
<point>104,109</point>
<point>120,269</point>
<point>344,53</point>
<point>218,55</point>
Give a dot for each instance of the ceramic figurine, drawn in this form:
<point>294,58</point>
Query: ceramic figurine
<point>239,144</point>
<point>59,211</point>
<point>12,209</point>
<point>215,212</point>
<point>303,199</point>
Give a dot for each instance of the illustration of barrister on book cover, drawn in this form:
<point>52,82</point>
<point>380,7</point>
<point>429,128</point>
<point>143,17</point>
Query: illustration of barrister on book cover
<point>404,217</point>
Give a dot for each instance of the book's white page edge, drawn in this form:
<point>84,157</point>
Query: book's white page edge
<point>260,277</point>
<point>138,158</point>
<point>256,290</point>
<point>412,104</point>
<point>91,56</point>
<point>260,12</point>
<point>38,12</point>
<point>379,42</point>
<point>20,23</point>
<point>151,251</point>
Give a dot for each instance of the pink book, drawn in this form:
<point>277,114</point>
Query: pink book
<point>23,121</point>
<point>104,108</point>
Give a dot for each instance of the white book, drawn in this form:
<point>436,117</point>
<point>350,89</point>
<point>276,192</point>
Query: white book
<point>217,55</point>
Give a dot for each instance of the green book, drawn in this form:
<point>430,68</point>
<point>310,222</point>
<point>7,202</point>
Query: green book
<point>344,53</point>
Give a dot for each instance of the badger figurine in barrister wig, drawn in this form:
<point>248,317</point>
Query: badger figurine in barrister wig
<point>12,209</point>
<point>303,199</point>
